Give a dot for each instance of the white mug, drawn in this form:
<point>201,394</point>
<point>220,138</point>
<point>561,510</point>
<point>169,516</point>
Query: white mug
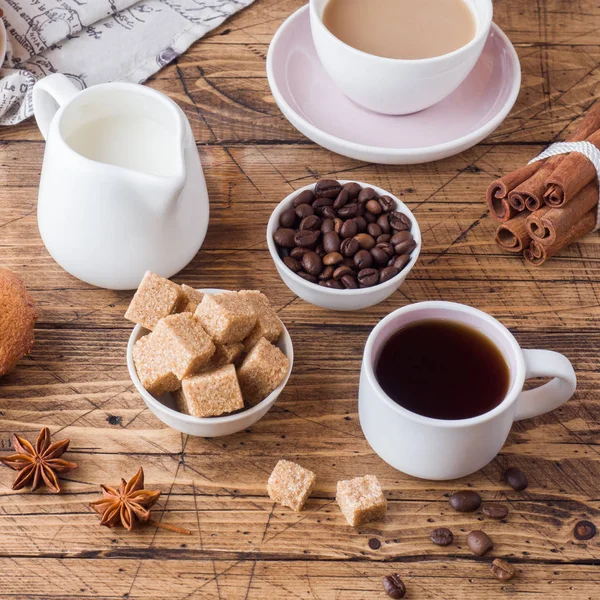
<point>397,86</point>
<point>448,449</point>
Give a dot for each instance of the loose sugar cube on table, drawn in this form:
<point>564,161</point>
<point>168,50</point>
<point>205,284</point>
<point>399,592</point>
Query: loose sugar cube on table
<point>263,369</point>
<point>226,317</point>
<point>211,393</point>
<point>268,324</point>
<point>186,347</point>
<point>361,500</point>
<point>290,484</point>
<point>155,299</point>
<point>191,298</point>
<point>152,369</point>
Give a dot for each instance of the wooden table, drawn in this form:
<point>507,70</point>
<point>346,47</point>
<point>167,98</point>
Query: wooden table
<point>243,546</point>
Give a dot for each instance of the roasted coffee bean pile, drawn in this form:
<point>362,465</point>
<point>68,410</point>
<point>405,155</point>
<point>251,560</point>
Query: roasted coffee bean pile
<point>344,237</point>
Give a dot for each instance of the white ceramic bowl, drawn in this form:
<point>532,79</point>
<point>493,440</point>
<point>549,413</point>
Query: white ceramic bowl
<point>329,297</point>
<point>164,407</point>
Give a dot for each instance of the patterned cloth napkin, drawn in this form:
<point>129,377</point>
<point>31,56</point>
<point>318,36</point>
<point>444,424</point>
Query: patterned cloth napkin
<point>95,41</point>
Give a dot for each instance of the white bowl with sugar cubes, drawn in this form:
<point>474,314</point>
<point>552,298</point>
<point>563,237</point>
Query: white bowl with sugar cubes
<point>206,362</point>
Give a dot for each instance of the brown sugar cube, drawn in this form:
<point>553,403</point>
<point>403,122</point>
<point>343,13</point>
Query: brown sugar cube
<point>268,324</point>
<point>191,298</point>
<point>155,375</point>
<point>290,484</point>
<point>226,354</point>
<point>361,500</point>
<point>263,369</point>
<point>156,298</point>
<point>226,317</point>
<point>185,346</point>
<point>211,393</point>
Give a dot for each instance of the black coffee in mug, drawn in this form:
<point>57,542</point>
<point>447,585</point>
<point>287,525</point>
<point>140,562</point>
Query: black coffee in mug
<point>442,369</point>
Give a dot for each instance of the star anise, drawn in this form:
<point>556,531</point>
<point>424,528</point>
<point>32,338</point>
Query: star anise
<point>129,505</point>
<point>38,465</point>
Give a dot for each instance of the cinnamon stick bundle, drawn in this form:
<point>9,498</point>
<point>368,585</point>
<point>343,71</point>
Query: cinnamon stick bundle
<point>513,235</point>
<point>497,192</point>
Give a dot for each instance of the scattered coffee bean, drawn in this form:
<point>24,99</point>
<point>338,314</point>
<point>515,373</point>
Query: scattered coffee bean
<point>584,530</point>
<point>516,479</point>
<point>305,197</point>
<point>350,227</point>
<point>479,542</point>
<point>394,586</point>
<point>494,511</point>
<point>441,536</point>
<point>374,544</point>
<point>333,283</point>
<point>465,501</point>
<point>368,277</point>
<point>328,188</point>
<point>502,570</point>
<point>292,264</point>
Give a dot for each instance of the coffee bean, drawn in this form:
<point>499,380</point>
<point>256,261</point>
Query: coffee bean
<point>332,283</point>
<point>327,212</point>
<point>353,189</point>
<point>287,218</point>
<point>326,226</point>
<point>292,264</point>
<point>331,242</point>
<point>361,224</point>
<point>399,221</point>
<point>584,530</point>
<point>370,218</point>
<point>328,188</point>
<point>384,222</point>
<point>479,542</point>
<point>320,250</point>
<point>321,202</point>
<point>405,247</point>
<point>349,229</point>
<point>502,570</point>
<point>304,210</point>
<point>384,238</point>
<point>310,223</point>
<point>441,536</point>
<point>312,263</point>
<point>367,194</point>
<point>374,230</point>
<point>387,203</point>
<point>387,273</point>
<point>400,262</point>
<point>285,237</point>
<point>349,211</point>
<point>387,248</point>
<point>363,259</point>
<point>494,511</point>
<point>342,271</point>
<point>322,282</point>
<point>365,241</point>
<point>333,258</point>
<point>298,253</point>
<point>341,200</point>
<point>305,197</point>
<point>306,238</point>
<point>327,273</point>
<point>349,282</point>
<point>368,277</point>
<point>349,247</point>
<point>465,501</point>
<point>516,479</point>
<point>307,276</point>
<point>394,586</point>
<point>337,224</point>
<point>400,236</point>
<point>373,207</point>
<point>380,257</point>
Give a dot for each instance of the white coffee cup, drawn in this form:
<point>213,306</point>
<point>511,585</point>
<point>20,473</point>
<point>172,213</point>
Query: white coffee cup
<point>449,449</point>
<point>397,86</point>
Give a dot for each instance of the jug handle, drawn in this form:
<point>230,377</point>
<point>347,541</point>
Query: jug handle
<point>49,94</point>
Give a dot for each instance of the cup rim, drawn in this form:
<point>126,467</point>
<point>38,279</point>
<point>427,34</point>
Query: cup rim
<point>482,32</point>
<point>153,402</point>
<point>509,399</point>
<point>273,224</point>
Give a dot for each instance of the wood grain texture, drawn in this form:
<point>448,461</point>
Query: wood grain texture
<point>243,546</point>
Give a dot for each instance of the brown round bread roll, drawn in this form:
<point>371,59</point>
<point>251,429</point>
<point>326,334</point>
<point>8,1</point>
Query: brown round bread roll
<point>17,319</point>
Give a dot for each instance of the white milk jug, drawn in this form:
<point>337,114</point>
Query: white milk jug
<point>122,189</point>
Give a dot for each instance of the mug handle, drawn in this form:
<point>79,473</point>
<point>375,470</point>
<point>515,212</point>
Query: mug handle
<point>547,397</point>
<point>49,94</point>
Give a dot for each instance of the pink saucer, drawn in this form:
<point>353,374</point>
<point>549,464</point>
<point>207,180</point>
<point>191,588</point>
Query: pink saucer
<point>311,101</point>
